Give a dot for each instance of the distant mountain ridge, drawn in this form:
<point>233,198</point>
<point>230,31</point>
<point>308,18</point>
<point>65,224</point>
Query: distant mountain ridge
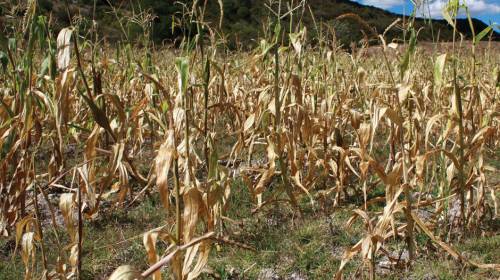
<point>463,25</point>
<point>243,19</point>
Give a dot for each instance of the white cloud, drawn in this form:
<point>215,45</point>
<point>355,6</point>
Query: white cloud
<point>384,4</point>
<point>476,7</point>
<point>434,7</point>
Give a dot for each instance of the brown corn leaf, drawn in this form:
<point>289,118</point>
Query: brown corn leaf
<point>348,255</point>
<point>22,226</point>
<point>430,123</point>
<point>64,48</point>
<point>66,206</point>
<point>149,241</point>
<point>448,248</point>
<point>27,247</point>
<point>204,252</point>
<point>356,119</point>
<point>296,180</point>
<point>125,272</point>
<point>249,122</point>
<point>164,159</point>
<point>193,204</point>
<point>392,115</point>
<point>269,172</point>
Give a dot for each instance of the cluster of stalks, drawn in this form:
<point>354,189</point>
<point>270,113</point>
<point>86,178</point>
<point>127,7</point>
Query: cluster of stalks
<point>294,121</point>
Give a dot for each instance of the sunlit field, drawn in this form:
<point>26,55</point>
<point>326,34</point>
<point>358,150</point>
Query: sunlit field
<point>296,159</point>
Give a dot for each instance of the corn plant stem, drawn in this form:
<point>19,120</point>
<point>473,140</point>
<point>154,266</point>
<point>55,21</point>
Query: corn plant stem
<point>40,229</point>
<point>372,265</point>
<point>406,189</point>
<point>205,124</point>
<point>205,112</point>
<point>177,202</point>
<point>473,97</point>
<point>175,163</point>
<point>410,240</point>
<point>277,130</point>
<point>186,131</point>
<point>80,234</point>
<point>392,131</point>
<point>458,100</point>
<point>176,185</point>
<point>186,139</point>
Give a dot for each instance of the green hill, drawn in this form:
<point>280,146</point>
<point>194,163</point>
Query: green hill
<point>243,21</point>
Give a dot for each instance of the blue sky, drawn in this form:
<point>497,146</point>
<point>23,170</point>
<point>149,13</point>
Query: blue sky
<point>486,10</point>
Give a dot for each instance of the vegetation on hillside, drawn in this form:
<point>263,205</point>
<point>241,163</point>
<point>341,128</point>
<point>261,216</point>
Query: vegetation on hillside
<point>243,21</point>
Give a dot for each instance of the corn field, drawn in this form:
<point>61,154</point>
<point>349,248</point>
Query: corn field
<point>99,126</point>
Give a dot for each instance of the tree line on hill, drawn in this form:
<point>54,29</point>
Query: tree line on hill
<point>243,20</point>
